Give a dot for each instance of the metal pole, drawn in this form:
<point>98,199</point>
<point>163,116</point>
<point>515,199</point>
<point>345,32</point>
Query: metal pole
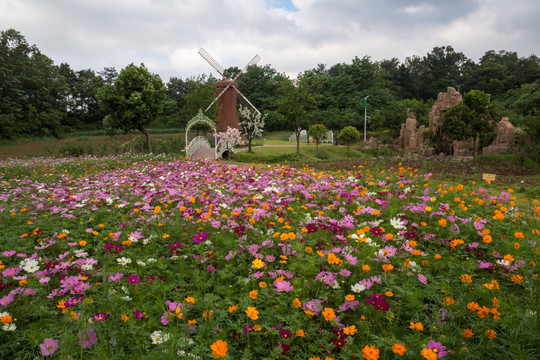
<point>365,117</point>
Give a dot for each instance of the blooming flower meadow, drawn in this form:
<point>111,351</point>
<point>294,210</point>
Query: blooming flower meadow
<point>157,257</point>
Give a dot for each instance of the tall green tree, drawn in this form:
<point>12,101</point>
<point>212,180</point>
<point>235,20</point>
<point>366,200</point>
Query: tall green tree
<point>134,100</point>
<point>32,91</point>
<point>471,119</point>
<point>295,103</point>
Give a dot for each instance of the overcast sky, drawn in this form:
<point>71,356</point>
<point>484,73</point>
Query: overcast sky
<point>290,35</point>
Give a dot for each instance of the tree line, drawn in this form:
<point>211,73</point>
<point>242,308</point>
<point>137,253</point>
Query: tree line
<point>40,98</point>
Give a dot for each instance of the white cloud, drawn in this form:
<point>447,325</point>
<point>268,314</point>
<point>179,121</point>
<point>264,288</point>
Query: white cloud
<point>291,35</point>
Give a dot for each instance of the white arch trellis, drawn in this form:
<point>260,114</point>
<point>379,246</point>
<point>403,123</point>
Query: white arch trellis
<point>200,141</point>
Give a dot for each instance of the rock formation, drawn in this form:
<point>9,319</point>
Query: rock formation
<point>410,138</point>
<point>444,101</point>
<point>504,140</point>
<point>372,143</point>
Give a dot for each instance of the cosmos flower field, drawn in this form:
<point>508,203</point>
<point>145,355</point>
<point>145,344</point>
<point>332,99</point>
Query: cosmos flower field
<point>158,257</point>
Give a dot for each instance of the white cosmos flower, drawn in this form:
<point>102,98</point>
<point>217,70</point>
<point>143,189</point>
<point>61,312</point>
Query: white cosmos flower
<point>9,327</point>
<point>123,261</point>
<point>30,266</point>
<point>158,337</point>
<point>357,288</point>
<point>397,223</point>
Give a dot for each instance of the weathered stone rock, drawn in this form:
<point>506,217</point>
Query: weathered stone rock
<point>504,140</point>
<point>436,117</point>
<point>409,137</point>
<point>461,148</point>
<point>372,143</point>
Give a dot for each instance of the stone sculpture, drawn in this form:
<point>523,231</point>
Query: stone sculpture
<point>436,117</point>
<point>504,140</point>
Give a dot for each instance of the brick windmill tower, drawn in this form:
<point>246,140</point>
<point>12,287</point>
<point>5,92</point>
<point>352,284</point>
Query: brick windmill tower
<point>226,93</point>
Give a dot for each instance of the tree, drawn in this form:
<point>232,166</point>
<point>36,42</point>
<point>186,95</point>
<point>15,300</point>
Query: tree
<point>252,124</point>
<point>296,101</point>
<point>134,100</point>
<point>349,135</point>
<point>318,132</point>
<point>232,137</point>
<point>32,91</point>
<point>471,119</point>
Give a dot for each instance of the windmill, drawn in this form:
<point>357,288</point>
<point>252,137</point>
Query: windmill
<point>227,92</point>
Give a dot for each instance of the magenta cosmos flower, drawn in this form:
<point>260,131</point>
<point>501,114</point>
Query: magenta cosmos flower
<point>422,279</point>
<point>200,237</point>
<point>437,348</point>
<point>48,347</point>
<point>133,279</point>
<point>99,317</point>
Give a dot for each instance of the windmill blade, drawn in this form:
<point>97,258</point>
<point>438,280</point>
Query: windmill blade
<point>217,97</point>
<point>212,62</point>
<point>245,98</point>
<point>253,61</point>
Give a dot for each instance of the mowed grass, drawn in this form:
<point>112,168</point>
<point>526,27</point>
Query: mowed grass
<point>278,153</point>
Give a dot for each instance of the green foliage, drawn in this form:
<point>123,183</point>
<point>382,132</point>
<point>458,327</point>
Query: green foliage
<point>471,119</point>
<point>32,91</point>
<point>318,132</point>
<point>134,100</point>
<point>349,135</point>
<point>294,104</point>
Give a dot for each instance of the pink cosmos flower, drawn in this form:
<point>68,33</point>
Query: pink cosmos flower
<point>88,338</point>
<point>422,279</point>
<point>283,286</point>
<point>48,347</point>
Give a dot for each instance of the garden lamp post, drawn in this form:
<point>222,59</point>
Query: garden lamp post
<point>365,117</point>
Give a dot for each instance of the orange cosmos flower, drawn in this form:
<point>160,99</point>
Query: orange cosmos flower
<point>429,354</point>
<point>399,349</point>
<point>387,267</point>
<point>370,352</point>
<point>467,333</point>
<point>300,333</point>
<point>351,330</point>
<point>207,314</point>
<point>253,294</point>
<point>491,334</point>
<point>516,278</point>
<point>366,267</point>
<point>219,349</point>
<point>417,326</point>
<point>233,308</point>
<point>466,278</point>
<point>329,314</point>
<point>447,301</point>
<point>252,313</point>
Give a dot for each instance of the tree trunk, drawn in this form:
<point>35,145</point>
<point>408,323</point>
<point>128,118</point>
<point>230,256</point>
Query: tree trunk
<point>297,144</point>
<point>249,144</point>
<point>148,143</point>
<point>474,146</point>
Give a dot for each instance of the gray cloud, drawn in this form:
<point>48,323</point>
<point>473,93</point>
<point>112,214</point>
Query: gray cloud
<point>166,34</point>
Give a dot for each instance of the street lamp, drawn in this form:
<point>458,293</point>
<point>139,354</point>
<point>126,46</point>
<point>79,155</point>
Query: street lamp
<point>365,117</point>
